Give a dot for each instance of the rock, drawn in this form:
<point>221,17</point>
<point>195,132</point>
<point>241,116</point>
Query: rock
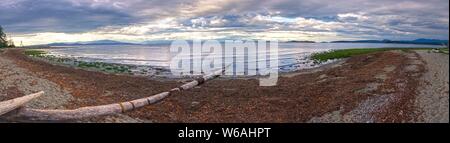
<point>412,68</point>
<point>381,76</point>
<point>389,68</point>
<point>107,93</point>
<point>369,88</point>
<point>195,104</point>
<point>323,76</point>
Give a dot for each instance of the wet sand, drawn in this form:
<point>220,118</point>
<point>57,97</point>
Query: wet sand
<point>378,87</point>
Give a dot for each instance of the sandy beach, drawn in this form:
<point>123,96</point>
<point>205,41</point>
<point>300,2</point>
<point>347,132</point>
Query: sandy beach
<point>391,86</point>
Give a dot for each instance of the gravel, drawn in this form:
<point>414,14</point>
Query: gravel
<point>361,114</point>
<point>432,100</point>
<point>26,83</point>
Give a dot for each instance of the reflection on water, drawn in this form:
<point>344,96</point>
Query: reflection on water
<point>292,56</point>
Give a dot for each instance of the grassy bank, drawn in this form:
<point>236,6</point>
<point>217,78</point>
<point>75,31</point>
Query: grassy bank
<point>444,50</point>
<point>35,53</point>
<point>345,53</point>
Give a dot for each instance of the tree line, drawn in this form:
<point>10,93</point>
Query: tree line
<point>4,42</point>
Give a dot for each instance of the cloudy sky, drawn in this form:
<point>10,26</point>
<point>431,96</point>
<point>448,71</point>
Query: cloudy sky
<point>47,21</point>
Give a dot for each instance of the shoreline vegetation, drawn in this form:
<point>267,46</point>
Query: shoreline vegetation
<point>4,41</point>
<point>346,53</point>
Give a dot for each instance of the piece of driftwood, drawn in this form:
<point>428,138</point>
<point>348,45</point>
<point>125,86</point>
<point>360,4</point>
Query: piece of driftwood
<point>94,111</point>
<point>9,105</point>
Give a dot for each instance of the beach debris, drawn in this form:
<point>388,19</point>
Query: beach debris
<point>323,76</point>
<point>195,104</point>
<point>9,105</point>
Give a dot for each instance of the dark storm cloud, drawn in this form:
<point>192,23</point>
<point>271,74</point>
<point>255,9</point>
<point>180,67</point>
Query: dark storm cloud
<point>57,16</point>
<point>402,19</point>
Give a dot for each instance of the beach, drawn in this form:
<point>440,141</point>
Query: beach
<point>390,86</point>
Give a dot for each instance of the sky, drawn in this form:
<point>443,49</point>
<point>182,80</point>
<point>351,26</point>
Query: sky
<point>47,21</point>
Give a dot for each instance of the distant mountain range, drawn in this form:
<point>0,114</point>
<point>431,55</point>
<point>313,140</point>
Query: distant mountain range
<point>156,42</point>
<point>99,42</point>
<point>417,41</point>
<point>295,41</point>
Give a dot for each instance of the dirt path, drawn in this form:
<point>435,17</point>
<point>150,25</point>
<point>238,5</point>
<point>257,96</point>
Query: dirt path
<point>378,87</point>
<point>434,88</point>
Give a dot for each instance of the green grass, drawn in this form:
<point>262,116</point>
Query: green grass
<point>345,53</point>
<point>105,67</point>
<point>35,53</point>
<point>99,66</point>
<point>444,50</point>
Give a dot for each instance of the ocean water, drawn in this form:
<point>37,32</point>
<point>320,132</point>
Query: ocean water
<point>291,56</point>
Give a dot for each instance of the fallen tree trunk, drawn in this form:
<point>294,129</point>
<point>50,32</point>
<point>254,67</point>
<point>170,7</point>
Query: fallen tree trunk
<point>9,105</point>
<point>85,112</point>
<point>93,111</point>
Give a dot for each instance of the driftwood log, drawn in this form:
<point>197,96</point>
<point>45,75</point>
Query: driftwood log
<point>94,111</point>
<point>9,105</point>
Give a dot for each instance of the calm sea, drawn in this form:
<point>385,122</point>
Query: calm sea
<point>292,56</point>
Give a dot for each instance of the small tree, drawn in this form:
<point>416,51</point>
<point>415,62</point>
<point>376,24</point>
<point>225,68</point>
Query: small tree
<point>3,41</point>
<point>11,44</point>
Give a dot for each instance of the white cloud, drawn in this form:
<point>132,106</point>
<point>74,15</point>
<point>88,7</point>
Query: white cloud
<point>352,16</point>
